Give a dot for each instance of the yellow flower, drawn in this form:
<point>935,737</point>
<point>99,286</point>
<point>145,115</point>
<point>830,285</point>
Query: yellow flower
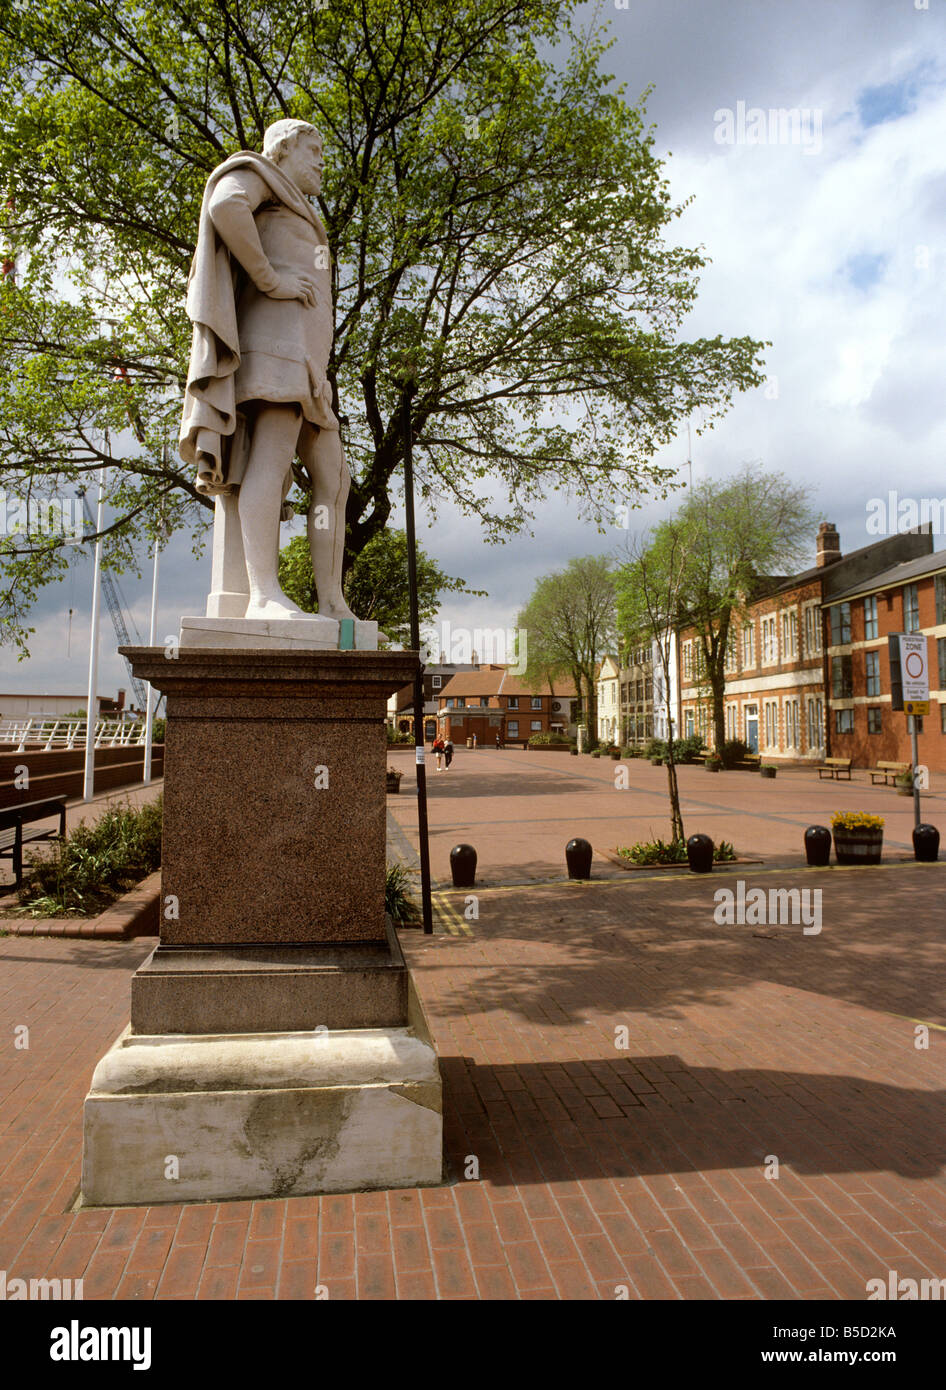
<point>856,820</point>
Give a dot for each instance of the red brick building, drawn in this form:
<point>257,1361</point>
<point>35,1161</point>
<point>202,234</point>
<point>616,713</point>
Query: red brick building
<point>779,668</point>
<point>490,700</point>
<point>908,597</point>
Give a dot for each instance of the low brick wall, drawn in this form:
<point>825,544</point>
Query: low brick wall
<point>134,914</point>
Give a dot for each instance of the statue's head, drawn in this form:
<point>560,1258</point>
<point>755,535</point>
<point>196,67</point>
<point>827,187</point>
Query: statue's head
<point>296,146</point>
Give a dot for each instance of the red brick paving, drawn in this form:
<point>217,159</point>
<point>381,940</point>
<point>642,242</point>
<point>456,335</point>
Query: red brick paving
<point>600,1169</point>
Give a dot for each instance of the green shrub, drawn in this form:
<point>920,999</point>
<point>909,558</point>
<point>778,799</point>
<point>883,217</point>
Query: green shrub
<point>734,750</point>
<point>543,740</point>
<point>656,748</point>
<point>656,851</point>
<point>398,901</point>
<point>648,852</point>
<point>96,863</point>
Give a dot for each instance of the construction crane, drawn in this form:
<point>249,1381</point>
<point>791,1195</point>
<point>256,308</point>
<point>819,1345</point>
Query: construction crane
<point>117,614</point>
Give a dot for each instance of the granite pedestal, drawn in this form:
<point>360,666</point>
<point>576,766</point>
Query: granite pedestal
<point>275,1042</point>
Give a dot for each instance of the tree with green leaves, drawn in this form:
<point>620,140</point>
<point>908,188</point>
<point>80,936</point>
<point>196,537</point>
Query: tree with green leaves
<point>376,586</point>
<point>735,534</point>
<point>648,590</point>
<point>569,626</point>
<point>495,212</point>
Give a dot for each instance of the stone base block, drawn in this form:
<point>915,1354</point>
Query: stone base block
<point>271,989</point>
<point>214,1117</point>
<point>303,634</point>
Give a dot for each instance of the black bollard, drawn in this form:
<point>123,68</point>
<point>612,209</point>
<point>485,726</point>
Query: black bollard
<point>926,844</point>
<point>700,853</point>
<point>578,858</point>
<point>463,866</point>
<point>818,846</point>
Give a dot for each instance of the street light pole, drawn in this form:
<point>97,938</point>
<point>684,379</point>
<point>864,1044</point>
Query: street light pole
<point>426,908</point>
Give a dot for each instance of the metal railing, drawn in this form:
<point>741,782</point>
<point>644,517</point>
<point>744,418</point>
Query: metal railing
<point>49,732</point>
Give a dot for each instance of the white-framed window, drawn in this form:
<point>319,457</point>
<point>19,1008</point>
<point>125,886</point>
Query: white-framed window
<point>436,682</point>
<point>812,630</point>
<point>512,702</point>
<point>769,641</point>
<point>792,723</point>
<point>911,608</point>
<point>537,702</point>
<point>790,634</point>
<point>870,617</point>
<point>536,725</point>
<point>872,673</point>
<point>844,721</point>
<point>732,651</point>
<point>688,660</point>
<point>512,728</point>
<point>748,644</point>
<point>688,723</point>
<point>732,721</point>
<point>770,719</point>
<point>815,721</point>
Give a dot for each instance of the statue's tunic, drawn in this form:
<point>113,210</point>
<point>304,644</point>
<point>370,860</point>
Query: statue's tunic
<point>255,225</point>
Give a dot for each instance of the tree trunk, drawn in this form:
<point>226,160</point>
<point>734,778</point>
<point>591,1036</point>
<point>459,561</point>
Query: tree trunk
<point>718,683</point>
<point>676,818</point>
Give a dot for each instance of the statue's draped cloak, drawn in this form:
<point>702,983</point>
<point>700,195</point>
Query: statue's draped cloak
<point>213,431</point>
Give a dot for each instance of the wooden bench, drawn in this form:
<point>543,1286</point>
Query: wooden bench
<point>14,833</point>
<point>836,768</point>
<point>883,772</point>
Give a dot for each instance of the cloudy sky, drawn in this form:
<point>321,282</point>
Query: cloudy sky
<point>833,248</point>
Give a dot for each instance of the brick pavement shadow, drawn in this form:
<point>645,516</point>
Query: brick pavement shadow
<point>634,1116</point>
<point>86,954</point>
<point>552,956</point>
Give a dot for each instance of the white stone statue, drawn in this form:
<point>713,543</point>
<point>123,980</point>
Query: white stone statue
<point>257,396</point>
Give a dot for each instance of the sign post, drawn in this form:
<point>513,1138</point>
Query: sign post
<point>910,691</point>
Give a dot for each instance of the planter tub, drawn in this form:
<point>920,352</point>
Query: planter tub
<point>858,846</point>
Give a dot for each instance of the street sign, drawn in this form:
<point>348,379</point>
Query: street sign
<point>916,706</point>
<point>914,669</point>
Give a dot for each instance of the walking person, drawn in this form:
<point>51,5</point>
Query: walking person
<point>448,753</point>
<point>437,751</point>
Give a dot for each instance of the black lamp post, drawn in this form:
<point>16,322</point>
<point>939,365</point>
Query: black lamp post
<point>410,386</point>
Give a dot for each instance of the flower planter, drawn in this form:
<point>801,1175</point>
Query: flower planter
<point>712,765</point>
<point>615,754</point>
<point>656,762</point>
<point>904,788</point>
<point>393,781</point>
<point>767,772</point>
<point>858,846</point>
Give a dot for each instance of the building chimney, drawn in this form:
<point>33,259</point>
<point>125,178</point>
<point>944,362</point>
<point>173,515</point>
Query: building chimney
<point>829,544</point>
<point>120,702</point>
